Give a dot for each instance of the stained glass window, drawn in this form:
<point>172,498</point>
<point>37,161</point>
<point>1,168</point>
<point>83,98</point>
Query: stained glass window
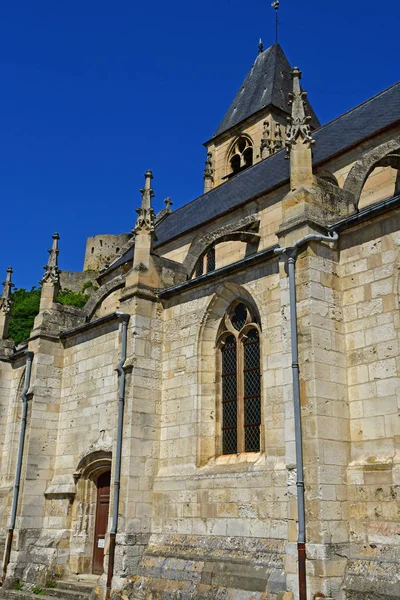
<point>229,396</point>
<point>252,391</point>
<point>211,260</point>
<point>199,267</point>
<point>241,382</point>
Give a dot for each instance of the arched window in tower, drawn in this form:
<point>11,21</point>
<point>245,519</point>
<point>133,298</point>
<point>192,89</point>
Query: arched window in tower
<point>240,156</point>
<point>240,381</point>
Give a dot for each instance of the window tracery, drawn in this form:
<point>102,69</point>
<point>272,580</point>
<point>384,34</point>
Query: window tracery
<point>240,381</point>
<point>241,156</point>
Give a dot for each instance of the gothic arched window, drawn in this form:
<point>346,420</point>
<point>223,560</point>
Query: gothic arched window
<point>240,381</point>
<point>240,156</point>
<point>206,263</point>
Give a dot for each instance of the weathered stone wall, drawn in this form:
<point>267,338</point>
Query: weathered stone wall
<point>101,249</point>
<point>11,383</point>
<point>73,280</point>
<point>370,279</point>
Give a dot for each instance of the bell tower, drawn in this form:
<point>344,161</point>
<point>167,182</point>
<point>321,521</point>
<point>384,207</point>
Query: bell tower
<point>254,126</point>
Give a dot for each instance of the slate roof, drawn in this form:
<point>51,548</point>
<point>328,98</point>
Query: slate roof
<point>345,131</point>
<point>268,83</point>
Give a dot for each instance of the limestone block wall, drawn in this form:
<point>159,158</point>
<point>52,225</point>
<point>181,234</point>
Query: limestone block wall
<point>267,208</point>
<point>203,503</point>
<point>87,422</point>
<point>11,383</point>
<point>370,279</point>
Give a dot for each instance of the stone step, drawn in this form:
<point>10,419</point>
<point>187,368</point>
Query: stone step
<point>77,585</point>
<point>68,594</point>
<point>65,590</point>
<point>23,595</point>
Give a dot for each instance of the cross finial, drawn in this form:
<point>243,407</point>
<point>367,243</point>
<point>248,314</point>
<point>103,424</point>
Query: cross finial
<point>275,5</point>
<point>168,203</point>
<point>260,46</point>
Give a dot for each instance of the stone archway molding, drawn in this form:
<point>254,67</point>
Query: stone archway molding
<point>221,300</point>
<point>104,291</point>
<point>93,464</point>
<point>243,230</point>
<point>387,154</point>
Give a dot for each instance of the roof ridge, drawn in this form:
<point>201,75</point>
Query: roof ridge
<point>356,107</point>
<point>280,151</point>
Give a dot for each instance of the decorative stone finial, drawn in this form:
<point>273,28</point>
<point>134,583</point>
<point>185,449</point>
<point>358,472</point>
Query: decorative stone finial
<point>5,305</point>
<point>260,46</point>
<point>146,216</point>
<point>52,272</point>
<point>168,203</point>
<point>5,300</point>
<point>208,173</point>
<point>298,123</point>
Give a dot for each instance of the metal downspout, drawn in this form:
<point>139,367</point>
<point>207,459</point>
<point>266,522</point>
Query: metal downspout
<point>117,473</point>
<point>291,254</point>
<point>17,482</point>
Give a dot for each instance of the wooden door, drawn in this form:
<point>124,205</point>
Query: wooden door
<point>103,504</point>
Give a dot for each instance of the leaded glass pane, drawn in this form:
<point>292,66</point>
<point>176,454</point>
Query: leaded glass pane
<point>211,260</point>
<point>252,391</point>
<point>239,317</point>
<point>199,267</point>
<point>229,396</point>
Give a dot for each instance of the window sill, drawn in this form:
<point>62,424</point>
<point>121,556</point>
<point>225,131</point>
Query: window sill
<point>237,462</point>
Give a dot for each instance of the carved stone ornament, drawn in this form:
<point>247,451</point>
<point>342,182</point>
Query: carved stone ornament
<point>266,141</point>
<point>208,171</point>
<point>146,216</point>
<point>52,272</point>
<point>298,123</point>
<point>5,300</point>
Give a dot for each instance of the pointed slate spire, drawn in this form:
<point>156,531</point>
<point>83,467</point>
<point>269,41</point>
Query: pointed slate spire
<point>146,216</point>
<point>267,85</point>
<point>298,122</point>
<point>5,305</point>
<point>52,272</point>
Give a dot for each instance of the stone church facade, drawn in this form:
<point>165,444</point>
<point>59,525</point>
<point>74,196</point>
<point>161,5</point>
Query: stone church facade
<point>157,439</point>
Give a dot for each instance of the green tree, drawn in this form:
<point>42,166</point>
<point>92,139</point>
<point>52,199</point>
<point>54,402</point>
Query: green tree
<point>25,307</point>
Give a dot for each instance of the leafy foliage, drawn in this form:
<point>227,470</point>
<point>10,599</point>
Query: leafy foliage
<point>25,307</point>
<point>72,298</point>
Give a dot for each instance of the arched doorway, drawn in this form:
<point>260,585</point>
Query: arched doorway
<point>90,510</point>
<point>102,510</point>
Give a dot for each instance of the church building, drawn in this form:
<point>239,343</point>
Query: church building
<point>222,418</point>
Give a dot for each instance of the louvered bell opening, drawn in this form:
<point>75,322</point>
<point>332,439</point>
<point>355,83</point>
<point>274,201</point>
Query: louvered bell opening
<point>252,391</point>
<point>229,396</point>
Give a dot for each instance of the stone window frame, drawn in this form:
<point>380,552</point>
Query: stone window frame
<point>235,151</point>
<point>206,263</point>
<point>227,329</point>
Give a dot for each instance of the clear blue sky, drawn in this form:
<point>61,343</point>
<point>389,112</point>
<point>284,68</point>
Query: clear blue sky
<point>94,93</point>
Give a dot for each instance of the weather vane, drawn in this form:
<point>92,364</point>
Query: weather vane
<point>275,5</point>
